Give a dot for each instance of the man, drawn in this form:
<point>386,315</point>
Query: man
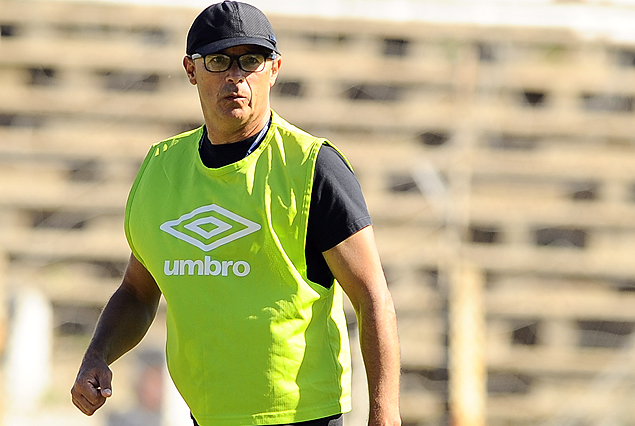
<point>250,228</point>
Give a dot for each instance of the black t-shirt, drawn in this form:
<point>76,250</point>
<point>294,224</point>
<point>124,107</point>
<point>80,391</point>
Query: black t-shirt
<point>337,210</point>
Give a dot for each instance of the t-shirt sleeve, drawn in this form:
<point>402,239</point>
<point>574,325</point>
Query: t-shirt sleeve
<point>338,208</point>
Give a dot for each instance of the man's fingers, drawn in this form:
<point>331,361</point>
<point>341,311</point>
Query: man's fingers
<point>85,406</point>
<point>86,397</point>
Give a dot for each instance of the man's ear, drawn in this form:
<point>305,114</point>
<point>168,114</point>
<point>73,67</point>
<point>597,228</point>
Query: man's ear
<point>275,68</point>
<point>190,69</point>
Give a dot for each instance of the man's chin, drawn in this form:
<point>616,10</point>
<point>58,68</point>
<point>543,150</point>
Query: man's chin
<point>239,114</point>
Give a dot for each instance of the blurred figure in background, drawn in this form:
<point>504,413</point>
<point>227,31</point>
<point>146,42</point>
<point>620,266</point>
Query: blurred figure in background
<point>149,391</point>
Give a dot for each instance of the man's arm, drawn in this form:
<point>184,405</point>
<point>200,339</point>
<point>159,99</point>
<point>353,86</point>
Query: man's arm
<point>356,266</point>
<point>121,326</point>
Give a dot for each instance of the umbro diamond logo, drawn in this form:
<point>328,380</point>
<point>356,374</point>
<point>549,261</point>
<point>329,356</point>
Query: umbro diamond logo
<point>209,227</point>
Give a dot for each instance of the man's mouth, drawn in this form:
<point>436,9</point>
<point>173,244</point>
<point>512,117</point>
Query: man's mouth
<point>234,97</point>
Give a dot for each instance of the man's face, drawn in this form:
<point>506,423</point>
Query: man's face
<point>234,99</point>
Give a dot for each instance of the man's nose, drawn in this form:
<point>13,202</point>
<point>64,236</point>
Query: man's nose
<point>235,74</point>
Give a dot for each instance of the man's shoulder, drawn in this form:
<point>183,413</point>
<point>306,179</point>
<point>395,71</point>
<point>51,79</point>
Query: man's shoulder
<point>164,146</point>
<point>171,148</point>
<point>283,126</point>
<point>170,151</point>
<point>293,139</point>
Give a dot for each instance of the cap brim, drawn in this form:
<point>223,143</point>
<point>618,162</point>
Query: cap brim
<point>219,45</point>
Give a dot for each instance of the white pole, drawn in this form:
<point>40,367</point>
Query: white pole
<point>28,367</point>
<point>468,388</point>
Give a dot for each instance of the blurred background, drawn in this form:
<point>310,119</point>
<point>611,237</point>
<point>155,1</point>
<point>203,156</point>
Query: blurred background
<point>494,142</point>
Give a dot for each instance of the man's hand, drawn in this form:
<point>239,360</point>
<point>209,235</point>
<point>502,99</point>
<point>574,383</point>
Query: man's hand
<point>92,385</point>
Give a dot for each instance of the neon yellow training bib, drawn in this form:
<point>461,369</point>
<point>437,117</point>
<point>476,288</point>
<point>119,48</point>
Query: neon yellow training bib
<point>250,339</point>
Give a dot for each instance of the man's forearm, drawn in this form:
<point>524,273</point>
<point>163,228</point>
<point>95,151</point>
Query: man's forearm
<point>380,350</point>
<point>122,324</point>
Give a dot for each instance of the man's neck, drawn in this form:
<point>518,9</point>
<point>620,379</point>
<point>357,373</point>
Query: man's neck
<point>220,135</point>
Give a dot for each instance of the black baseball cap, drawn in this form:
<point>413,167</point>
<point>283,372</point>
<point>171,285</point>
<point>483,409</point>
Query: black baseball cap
<point>228,24</point>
